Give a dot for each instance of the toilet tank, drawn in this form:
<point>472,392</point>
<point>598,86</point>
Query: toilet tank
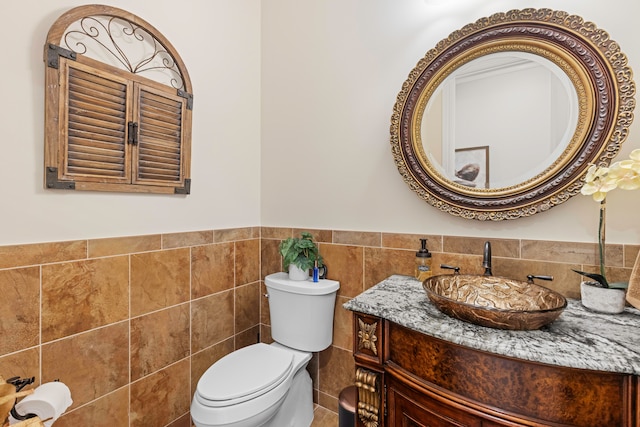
<point>301,311</point>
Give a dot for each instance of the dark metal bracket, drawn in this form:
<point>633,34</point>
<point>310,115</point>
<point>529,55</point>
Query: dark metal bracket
<point>184,190</point>
<point>19,384</point>
<point>53,182</point>
<point>55,52</point>
<point>188,97</point>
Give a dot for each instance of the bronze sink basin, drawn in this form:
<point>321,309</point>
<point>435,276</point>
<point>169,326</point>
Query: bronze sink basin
<point>495,302</point>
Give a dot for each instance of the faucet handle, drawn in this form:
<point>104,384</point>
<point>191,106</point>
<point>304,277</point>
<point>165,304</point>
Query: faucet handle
<point>486,259</point>
<point>530,278</point>
<point>456,270</point>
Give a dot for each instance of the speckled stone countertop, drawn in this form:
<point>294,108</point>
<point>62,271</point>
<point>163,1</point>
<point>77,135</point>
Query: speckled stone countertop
<point>578,338</point>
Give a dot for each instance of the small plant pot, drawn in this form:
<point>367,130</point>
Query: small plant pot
<point>602,300</point>
<point>295,273</point>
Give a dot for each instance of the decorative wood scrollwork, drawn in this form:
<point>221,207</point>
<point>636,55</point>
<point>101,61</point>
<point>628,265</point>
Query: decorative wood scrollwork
<point>368,385</point>
<point>367,336</point>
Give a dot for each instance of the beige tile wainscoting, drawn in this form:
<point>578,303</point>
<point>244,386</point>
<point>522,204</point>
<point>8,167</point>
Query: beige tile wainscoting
<point>131,323</point>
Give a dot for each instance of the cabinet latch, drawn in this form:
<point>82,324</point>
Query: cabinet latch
<point>132,131</point>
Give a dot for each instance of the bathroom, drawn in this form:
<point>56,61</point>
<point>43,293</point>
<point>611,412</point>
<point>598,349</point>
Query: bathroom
<point>281,89</point>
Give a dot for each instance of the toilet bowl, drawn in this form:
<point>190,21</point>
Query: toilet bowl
<point>246,388</point>
<point>267,385</point>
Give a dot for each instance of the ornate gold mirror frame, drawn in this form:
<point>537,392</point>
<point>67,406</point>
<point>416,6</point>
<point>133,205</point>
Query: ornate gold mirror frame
<point>598,71</point>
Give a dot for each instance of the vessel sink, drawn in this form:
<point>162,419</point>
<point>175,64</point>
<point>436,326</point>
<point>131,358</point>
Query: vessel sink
<point>495,302</point>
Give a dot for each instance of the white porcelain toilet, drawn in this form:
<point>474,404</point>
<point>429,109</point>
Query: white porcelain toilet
<point>268,385</point>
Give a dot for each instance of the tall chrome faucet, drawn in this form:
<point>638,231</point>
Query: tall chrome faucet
<point>486,259</point>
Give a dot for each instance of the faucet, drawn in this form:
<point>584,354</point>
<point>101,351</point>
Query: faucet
<point>486,259</point>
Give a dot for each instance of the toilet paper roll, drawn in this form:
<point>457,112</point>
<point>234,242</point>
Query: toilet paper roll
<point>49,400</point>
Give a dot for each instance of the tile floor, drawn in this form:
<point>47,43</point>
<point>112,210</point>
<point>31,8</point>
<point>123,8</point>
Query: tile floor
<point>324,418</point>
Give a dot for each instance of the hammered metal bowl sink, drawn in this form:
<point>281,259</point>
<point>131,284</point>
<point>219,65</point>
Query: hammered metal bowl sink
<point>495,302</point>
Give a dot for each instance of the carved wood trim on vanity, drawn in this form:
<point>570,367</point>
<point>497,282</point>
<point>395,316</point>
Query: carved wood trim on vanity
<point>426,381</point>
<point>368,352</point>
<point>369,399</point>
<point>367,338</point>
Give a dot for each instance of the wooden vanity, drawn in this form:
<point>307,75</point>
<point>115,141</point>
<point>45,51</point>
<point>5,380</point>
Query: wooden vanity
<point>418,367</point>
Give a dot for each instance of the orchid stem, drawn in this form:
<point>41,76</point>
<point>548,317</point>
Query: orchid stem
<point>601,235</point>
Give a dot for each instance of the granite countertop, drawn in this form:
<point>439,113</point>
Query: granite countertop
<point>578,338</point>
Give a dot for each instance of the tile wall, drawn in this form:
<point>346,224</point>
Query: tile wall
<point>131,323</point>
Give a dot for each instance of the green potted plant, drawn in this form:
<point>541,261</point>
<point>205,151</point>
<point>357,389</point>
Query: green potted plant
<point>299,255</point>
<point>625,175</point>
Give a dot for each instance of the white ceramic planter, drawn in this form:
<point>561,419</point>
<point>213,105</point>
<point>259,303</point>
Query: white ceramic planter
<point>602,300</point>
<point>633,292</point>
<point>296,273</point>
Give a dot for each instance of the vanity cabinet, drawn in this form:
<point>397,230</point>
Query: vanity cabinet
<point>407,378</point>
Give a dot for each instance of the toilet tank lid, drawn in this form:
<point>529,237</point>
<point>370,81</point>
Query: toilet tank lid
<point>282,282</point>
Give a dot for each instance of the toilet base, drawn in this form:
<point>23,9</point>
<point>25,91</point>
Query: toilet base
<point>297,408</point>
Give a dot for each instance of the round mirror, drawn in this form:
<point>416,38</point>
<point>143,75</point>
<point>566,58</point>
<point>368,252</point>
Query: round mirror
<point>502,118</point>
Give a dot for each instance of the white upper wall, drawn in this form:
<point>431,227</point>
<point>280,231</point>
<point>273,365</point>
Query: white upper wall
<point>219,41</point>
<point>290,125</point>
<point>331,71</point>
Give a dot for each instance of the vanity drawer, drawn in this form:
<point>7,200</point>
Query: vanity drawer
<point>409,408</point>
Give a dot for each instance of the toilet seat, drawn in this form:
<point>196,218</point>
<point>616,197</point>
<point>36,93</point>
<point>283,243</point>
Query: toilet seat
<point>244,375</point>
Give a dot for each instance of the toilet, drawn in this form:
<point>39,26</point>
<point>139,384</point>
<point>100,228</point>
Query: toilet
<point>267,384</point>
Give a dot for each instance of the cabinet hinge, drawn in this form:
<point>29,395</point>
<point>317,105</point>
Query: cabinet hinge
<point>384,400</point>
<point>55,52</point>
<point>184,190</point>
<point>53,182</point>
<point>188,97</point>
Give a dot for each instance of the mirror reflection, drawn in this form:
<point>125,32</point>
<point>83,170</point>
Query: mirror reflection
<point>499,120</point>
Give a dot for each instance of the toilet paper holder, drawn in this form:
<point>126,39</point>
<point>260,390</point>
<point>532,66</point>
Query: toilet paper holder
<point>19,384</point>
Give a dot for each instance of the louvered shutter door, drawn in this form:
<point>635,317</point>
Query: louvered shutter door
<point>96,128</point>
<point>159,153</point>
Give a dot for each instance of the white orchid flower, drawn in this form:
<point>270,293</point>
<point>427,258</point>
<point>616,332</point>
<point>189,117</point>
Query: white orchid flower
<point>597,183</point>
<point>624,174</point>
